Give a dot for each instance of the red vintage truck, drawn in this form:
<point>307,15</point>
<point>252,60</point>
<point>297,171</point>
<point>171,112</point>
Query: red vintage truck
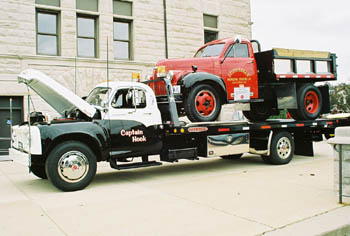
<point>236,71</point>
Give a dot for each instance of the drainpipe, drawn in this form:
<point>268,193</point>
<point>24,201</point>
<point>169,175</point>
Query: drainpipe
<point>165,30</point>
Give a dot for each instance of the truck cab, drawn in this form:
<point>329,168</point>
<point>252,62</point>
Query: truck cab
<point>228,69</point>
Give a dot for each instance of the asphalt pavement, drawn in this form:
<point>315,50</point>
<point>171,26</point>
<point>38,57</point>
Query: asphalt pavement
<point>206,197</point>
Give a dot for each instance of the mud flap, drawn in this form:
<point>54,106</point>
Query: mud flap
<point>326,106</point>
<point>303,147</point>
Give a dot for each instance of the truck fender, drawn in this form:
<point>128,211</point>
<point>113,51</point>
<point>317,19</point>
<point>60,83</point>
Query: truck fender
<point>191,79</point>
<point>91,134</point>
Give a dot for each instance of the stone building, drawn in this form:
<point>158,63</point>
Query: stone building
<point>68,40</point>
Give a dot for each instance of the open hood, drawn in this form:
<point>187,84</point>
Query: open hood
<point>57,96</point>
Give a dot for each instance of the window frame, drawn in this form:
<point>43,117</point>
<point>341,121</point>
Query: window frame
<point>95,38</point>
<point>208,29</point>
<point>129,41</point>
<point>58,30</point>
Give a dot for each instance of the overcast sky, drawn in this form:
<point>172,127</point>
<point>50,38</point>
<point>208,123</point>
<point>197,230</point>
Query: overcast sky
<point>322,25</point>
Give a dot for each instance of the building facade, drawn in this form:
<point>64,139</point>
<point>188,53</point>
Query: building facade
<point>70,40</point>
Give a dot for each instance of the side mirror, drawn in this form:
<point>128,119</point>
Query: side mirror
<point>238,39</point>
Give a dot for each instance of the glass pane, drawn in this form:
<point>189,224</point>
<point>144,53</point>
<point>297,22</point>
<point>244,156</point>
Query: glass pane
<point>121,31</point>
<point>86,47</point>
<point>241,50</point>
<point>88,5</point>
<point>322,67</point>
<point>210,36</point>
<point>213,50</point>
<point>55,3</point>
<point>121,50</point>
<point>303,66</point>
<point>47,44</point>
<point>86,27</point>
<point>122,8</point>
<point>47,23</point>
<point>282,66</point>
<point>210,21</point>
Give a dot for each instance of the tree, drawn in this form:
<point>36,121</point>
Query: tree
<point>340,98</point>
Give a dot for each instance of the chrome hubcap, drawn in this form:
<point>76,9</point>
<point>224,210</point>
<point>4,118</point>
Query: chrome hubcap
<point>283,148</point>
<point>73,166</point>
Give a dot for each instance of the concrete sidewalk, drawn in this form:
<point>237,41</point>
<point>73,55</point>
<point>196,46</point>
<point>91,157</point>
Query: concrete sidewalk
<point>206,197</point>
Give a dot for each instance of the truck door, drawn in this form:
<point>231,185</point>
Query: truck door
<point>133,123</point>
<point>239,71</point>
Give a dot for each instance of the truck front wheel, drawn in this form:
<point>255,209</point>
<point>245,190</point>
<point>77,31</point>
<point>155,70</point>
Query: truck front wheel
<point>202,104</point>
<point>309,101</point>
<point>71,166</point>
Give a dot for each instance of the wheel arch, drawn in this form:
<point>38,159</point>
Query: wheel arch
<point>215,81</point>
<point>86,139</point>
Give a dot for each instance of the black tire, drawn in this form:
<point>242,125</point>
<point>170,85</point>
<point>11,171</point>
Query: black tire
<point>38,171</point>
<point>202,104</point>
<point>232,157</point>
<point>266,159</point>
<point>309,101</point>
<point>79,162</point>
<point>259,111</point>
<point>281,149</point>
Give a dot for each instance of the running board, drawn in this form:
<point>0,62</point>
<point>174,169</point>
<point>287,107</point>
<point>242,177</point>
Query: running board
<point>114,165</point>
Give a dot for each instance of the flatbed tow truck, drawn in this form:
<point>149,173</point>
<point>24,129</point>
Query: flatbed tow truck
<point>119,122</point>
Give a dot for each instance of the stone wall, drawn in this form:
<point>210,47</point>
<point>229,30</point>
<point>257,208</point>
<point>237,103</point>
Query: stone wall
<point>185,35</point>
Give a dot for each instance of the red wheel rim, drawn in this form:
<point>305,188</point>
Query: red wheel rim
<point>311,102</point>
<point>205,103</point>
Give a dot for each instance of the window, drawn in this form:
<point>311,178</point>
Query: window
<point>87,5</point>
<point>210,28</point>
<point>213,50</point>
<point>86,36</point>
<point>55,3</point>
<point>238,50</point>
<point>47,33</point>
<point>122,8</point>
<point>122,29</point>
<point>127,99</point>
<point>122,41</point>
<point>210,36</point>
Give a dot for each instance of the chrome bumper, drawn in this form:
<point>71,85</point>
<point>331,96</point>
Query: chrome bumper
<point>19,157</point>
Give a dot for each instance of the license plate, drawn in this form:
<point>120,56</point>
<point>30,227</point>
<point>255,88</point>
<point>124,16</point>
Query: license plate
<point>177,89</point>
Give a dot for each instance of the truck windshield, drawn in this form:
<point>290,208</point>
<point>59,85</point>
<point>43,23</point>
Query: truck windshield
<point>212,50</point>
<point>98,95</point>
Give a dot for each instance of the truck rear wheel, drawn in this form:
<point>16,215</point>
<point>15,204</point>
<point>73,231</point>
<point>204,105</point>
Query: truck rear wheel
<point>282,149</point>
<point>202,104</point>
<point>309,101</point>
<point>71,166</point>
<point>258,111</point>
